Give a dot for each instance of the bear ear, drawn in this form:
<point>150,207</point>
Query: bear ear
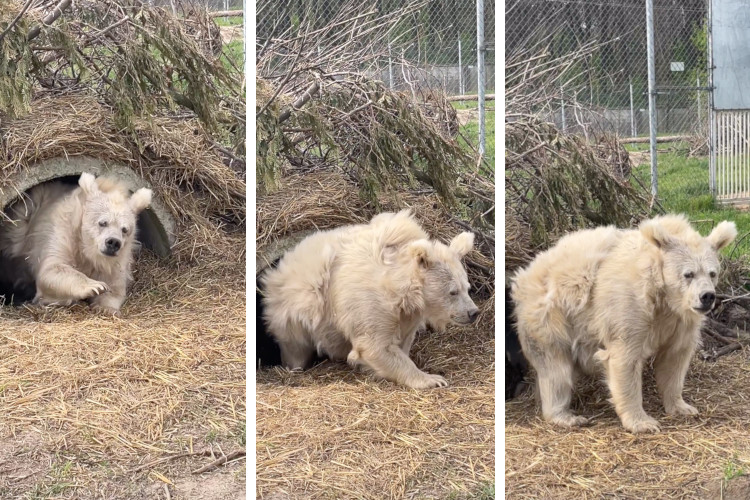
<point>140,200</point>
<point>656,234</point>
<point>88,183</point>
<point>463,243</point>
<point>722,235</point>
<point>421,250</point>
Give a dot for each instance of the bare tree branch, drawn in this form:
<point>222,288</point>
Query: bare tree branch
<point>49,19</point>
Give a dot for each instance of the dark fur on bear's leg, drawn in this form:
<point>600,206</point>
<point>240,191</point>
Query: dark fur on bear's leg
<point>267,352</point>
<point>516,365</point>
<point>16,281</point>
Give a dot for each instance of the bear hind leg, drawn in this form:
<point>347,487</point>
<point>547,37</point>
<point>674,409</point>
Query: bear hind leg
<point>555,381</point>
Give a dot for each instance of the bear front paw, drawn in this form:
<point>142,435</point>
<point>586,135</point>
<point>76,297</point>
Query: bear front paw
<point>428,381</point>
<point>94,288</point>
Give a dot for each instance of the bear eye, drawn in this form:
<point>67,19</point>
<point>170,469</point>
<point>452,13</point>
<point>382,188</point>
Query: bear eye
<point>712,274</point>
<point>689,275</point>
<point>454,292</point>
<point>124,230</point>
<point>102,223</point>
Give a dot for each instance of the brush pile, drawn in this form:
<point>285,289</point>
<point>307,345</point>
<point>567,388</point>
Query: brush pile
<point>557,183</point>
<point>123,81</point>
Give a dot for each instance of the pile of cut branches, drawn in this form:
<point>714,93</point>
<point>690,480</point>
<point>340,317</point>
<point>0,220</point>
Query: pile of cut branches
<point>321,106</point>
<point>139,60</point>
<point>554,182</point>
<point>557,183</point>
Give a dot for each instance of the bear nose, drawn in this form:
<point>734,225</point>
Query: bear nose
<point>707,299</point>
<point>113,244</point>
<point>473,315</point>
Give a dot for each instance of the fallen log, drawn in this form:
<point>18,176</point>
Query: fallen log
<point>666,138</point>
<point>226,13</point>
<point>471,97</point>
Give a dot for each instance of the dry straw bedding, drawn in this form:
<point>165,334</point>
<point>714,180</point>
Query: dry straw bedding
<point>87,400</point>
<point>331,432</point>
<point>686,460</point>
<point>175,154</point>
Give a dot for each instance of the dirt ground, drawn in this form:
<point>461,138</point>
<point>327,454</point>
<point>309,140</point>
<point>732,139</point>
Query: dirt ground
<point>333,433</point>
<point>702,457</point>
<point>130,408</point>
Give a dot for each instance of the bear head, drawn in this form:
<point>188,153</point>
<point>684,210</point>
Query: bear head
<point>109,214</point>
<point>445,287</point>
<point>689,262</point>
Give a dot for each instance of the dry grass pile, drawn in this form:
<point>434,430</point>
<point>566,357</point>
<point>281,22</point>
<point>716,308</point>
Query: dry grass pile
<point>325,200</point>
<point>692,458</point>
<point>95,407</point>
<point>333,433</point>
<point>177,156</point>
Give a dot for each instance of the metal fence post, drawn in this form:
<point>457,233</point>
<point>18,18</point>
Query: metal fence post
<point>711,114</point>
<point>460,69</point>
<point>390,68</point>
<point>480,74</point>
<point>698,95</point>
<point>633,131</point>
<point>562,110</point>
<point>651,92</point>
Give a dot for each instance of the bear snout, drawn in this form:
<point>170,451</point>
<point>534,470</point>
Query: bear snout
<point>112,246</point>
<point>473,315</point>
<point>707,300</point>
<point>468,317</point>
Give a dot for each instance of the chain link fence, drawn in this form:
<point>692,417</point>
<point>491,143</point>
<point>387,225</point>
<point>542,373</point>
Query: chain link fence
<point>210,5</point>
<point>433,46</point>
<point>604,86</point>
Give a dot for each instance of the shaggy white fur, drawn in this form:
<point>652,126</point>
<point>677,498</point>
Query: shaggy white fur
<point>611,299</point>
<point>361,292</point>
<point>77,241</point>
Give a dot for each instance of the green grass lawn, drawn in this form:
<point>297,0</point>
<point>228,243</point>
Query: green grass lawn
<point>234,51</point>
<point>683,187</point>
<point>229,21</point>
<point>471,131</point>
